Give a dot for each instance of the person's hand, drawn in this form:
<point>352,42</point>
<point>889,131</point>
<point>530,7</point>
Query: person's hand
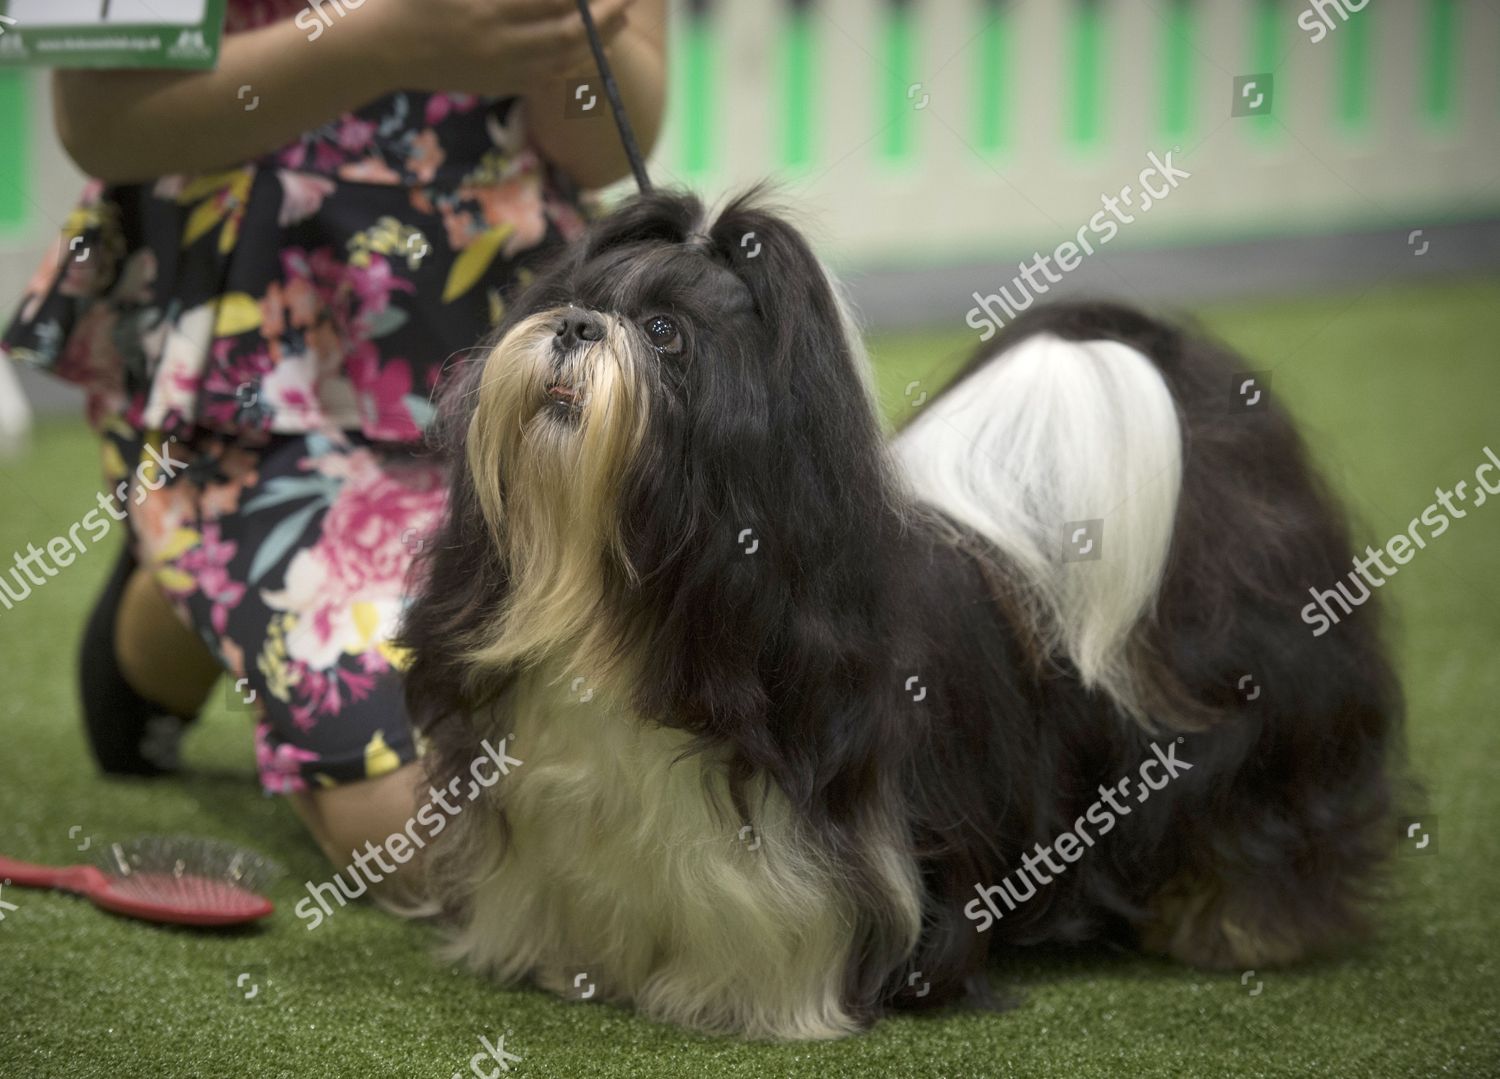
<point>490,47</point>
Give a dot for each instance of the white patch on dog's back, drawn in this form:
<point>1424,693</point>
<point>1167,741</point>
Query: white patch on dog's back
<point>1049,432</point>
<point>619,867</point>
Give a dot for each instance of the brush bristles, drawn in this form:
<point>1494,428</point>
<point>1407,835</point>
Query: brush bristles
<point>187,893</point>
<point>184,872</point>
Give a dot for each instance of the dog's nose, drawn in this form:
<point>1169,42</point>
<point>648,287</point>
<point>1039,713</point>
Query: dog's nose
<point>574,327</point>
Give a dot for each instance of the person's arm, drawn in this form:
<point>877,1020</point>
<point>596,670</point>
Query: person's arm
<point>590,151</point>
<point>124,126</point>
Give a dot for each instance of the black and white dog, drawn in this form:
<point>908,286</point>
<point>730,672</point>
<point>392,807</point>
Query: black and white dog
<point>793,699</point>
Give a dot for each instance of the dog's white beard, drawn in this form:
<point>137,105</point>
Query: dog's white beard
<point>556,519</point>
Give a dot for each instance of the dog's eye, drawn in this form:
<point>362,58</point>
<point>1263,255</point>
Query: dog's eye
<point>663,334</point>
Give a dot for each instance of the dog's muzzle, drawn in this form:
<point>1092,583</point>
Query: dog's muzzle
<point>574,331</point>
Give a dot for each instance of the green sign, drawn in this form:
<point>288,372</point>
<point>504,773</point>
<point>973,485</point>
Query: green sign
<point>111,33</point>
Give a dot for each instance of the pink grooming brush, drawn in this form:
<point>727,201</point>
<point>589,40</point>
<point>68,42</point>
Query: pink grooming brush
<point>175,880</point>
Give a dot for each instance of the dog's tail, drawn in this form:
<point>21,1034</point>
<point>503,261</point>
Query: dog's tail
<point>1065,455</point>
<point>1211,530</point>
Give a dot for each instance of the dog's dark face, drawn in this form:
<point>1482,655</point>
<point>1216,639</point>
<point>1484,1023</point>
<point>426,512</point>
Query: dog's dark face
<point>676,393</point>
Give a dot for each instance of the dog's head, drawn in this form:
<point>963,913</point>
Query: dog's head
<point>677,413</point>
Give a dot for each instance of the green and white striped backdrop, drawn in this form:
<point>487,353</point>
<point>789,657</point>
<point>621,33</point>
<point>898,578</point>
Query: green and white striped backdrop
<point>1035,108</point>
<point>931,132</point>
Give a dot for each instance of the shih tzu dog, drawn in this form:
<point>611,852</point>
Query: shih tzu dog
<point>813,723</point>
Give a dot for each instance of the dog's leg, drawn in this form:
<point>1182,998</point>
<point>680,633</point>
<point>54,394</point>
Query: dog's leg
<point>1199,921</point>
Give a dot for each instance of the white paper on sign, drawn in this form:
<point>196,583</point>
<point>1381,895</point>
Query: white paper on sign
<point>39,13</point>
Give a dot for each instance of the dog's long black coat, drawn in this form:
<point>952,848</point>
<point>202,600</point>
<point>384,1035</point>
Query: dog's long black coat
<point>797,659</point>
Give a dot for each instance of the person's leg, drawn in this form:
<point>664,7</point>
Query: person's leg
<point>359,817</point>
<point>143,674</point>
<point>302,597</point>
<point>135,698</point>
<point>162,659</point>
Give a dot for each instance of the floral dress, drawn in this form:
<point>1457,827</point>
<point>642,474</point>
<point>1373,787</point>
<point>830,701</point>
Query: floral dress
<point>260,348</point>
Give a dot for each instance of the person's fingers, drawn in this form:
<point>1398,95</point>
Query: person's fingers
<point>609,19</point>
<point>610,9</point>
<point>525,11</point>
<point>549,34</point>
<point>574,63</point>
<point>611,16</point>
<point>564,32</point>
<point>522,12</point>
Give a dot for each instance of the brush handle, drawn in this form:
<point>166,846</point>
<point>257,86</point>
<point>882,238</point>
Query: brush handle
<point>79,879</point>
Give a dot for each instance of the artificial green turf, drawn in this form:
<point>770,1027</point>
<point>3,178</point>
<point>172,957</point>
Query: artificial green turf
<point>1397,389</point>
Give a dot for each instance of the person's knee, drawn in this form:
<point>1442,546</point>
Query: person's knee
<point>366,827</point>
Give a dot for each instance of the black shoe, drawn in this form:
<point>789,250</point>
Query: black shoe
<point>128,734</point>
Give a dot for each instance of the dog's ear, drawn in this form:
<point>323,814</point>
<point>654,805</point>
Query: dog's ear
<point>458,582</point>
<point>792,293</point>
<point>819,413</point>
